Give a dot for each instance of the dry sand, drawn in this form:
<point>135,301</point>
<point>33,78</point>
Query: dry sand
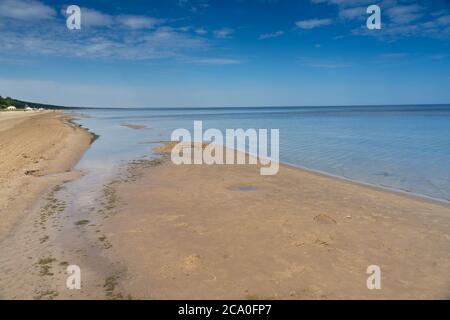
<point>37,151</point>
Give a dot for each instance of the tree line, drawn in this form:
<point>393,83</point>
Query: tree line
<point>19,104</point>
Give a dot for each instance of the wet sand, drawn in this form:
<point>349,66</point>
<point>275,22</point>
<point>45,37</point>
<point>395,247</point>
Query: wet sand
<point>225,232</point>
<point>133,126</point>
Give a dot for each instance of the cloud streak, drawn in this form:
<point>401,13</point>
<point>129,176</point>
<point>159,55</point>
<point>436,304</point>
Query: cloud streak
<point>275,34</point>
<point>216,61</point>
<point>322,64</point>
<point>313,23</point>
<point>26,10</point>
<point>400,18</point>
<point>223,33</point>
<point>135,37</point>
<point>404,14</point>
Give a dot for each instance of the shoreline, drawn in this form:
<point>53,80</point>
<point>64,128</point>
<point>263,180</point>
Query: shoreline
<point>322,173</point>
<point>378,187</point>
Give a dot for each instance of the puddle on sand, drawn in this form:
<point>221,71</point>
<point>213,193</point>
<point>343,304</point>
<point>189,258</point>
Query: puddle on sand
<point>75,231</point>
<point>74,235</point>
<point>243,188</point>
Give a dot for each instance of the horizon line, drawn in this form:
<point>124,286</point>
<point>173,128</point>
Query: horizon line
<point>254,107</point>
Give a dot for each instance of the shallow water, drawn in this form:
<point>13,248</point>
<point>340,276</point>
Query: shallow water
<point>401,147</point>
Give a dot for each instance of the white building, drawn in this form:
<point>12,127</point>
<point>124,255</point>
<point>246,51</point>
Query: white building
<point>28,109</point>
<point>11,108</point>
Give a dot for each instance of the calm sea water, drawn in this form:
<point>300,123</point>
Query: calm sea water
<point>402,147</point>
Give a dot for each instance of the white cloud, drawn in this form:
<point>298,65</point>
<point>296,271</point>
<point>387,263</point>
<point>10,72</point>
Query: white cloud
<point>26,10</point>
<point>443,21</point>
<point>410,21</point>
<point>185,28</point>
<point>163,42</point>
<point>313,23</point>
<point>138,22</point>
<point>353,13</point>
<point>201,31</point>
<point>223,33</point>
<point>147,41</point>
<point>217,61</point>
<point>400,18</point>
<point>94,18</point>
<point>404,14</point>
<point>271,35</point>
<point>194,5</point>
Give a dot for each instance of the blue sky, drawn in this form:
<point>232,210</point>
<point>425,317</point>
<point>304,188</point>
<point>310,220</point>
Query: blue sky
<point>225,53</point>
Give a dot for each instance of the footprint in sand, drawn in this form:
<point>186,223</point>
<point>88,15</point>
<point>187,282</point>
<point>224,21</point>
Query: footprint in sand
<point>324,219</point>
<point>191,262</point>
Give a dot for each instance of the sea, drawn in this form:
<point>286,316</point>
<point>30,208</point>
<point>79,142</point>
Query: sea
<point>403,148</point>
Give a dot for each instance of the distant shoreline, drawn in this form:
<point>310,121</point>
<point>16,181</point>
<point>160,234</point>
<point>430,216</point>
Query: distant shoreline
<point>62,107</point>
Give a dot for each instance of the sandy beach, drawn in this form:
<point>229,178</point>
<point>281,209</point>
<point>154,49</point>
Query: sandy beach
<point>161,231</point>
<point>225,232</point>
<point>38,150</point>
